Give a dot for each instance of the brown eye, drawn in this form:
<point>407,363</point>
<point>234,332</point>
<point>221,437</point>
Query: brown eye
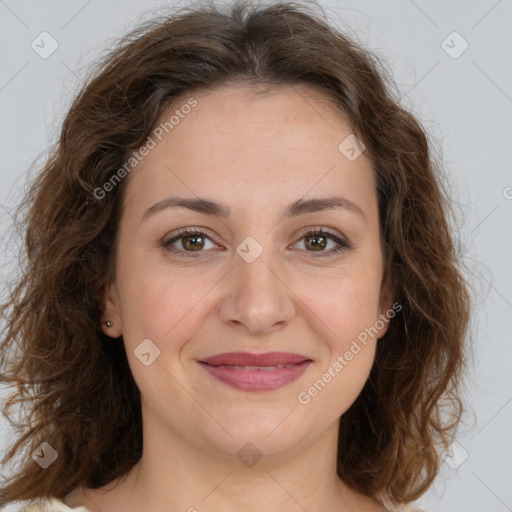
<point>188,241</point>
<point>317,241</point>
<point>192,242</point>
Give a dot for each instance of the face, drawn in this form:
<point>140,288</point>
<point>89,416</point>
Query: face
<point>274,272</point>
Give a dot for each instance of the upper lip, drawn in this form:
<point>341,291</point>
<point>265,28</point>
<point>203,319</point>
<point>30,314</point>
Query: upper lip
<point>247,359</point>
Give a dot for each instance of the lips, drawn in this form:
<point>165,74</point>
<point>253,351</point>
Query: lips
<point>247,359</point>
<point>256,372</point>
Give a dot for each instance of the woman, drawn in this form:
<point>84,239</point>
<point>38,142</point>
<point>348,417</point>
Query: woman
<point>241,289</point>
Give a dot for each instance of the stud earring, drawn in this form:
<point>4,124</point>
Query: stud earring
<point>109,323</point>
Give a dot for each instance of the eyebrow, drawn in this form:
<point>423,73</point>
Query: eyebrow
<point>299,207</point>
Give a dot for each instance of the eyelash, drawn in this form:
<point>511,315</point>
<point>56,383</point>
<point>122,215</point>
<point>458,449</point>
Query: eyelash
<point>343,245</point>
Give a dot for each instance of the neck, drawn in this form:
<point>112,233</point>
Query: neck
<point>176,475</point>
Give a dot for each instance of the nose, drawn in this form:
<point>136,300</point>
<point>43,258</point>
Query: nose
<point>257,299</point>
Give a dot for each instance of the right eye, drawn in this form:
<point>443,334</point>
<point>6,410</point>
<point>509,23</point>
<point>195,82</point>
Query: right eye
<point>191,240</point>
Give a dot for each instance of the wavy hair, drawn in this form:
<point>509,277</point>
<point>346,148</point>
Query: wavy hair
<point>72,383</point>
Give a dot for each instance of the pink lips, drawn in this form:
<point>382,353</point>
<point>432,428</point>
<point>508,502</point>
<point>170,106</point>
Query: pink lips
<point>256,372</point>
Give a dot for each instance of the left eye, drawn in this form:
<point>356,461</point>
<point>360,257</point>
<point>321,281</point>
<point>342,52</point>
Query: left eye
<point>318,239</point>
<point>193,241</point>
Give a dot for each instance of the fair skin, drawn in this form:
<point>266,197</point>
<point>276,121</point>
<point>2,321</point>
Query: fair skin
<point>256,154</point>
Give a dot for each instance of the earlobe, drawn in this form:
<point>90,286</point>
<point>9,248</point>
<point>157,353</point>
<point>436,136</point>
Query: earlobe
<point>111,320</point>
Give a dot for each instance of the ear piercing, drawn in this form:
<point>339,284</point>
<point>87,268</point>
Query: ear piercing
<point>109,323</point>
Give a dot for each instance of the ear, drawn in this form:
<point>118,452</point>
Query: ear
<point>386,310</point>
<point>110,311</point>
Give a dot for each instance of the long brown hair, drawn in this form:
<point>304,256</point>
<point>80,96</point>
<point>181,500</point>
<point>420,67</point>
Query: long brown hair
<point>72,383</point>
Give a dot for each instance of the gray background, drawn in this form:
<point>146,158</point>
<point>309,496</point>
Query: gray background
<point>465,103</point>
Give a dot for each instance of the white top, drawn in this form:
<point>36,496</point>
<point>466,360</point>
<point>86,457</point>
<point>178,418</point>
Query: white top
<point>55,505</point>
<point>46,505</point>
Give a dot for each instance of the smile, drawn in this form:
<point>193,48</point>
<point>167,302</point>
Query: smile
<point>256,378</point>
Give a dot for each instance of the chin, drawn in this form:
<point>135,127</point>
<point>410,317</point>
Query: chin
<point>271,432</point>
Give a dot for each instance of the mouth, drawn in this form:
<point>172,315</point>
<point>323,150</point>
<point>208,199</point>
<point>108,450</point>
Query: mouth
<point>256,372</point>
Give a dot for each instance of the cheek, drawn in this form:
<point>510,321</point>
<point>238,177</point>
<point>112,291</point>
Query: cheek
<point>332,391</point>
<point>346,302</point>
<point>348,308</point>
<point>156,306</point>
<point>165,309</point>
<point>159,302</point>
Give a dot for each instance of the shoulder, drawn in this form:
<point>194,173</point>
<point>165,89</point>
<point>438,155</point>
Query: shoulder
<point>405,508</point>
<point>43,505</point>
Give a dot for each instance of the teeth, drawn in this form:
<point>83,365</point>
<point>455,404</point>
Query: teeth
<point>255,368</point>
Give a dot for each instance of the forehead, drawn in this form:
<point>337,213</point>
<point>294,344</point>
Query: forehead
<point>245,119</point>
<point>235,143</point>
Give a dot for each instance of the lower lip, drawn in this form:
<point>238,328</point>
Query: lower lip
<point>256,380</point>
